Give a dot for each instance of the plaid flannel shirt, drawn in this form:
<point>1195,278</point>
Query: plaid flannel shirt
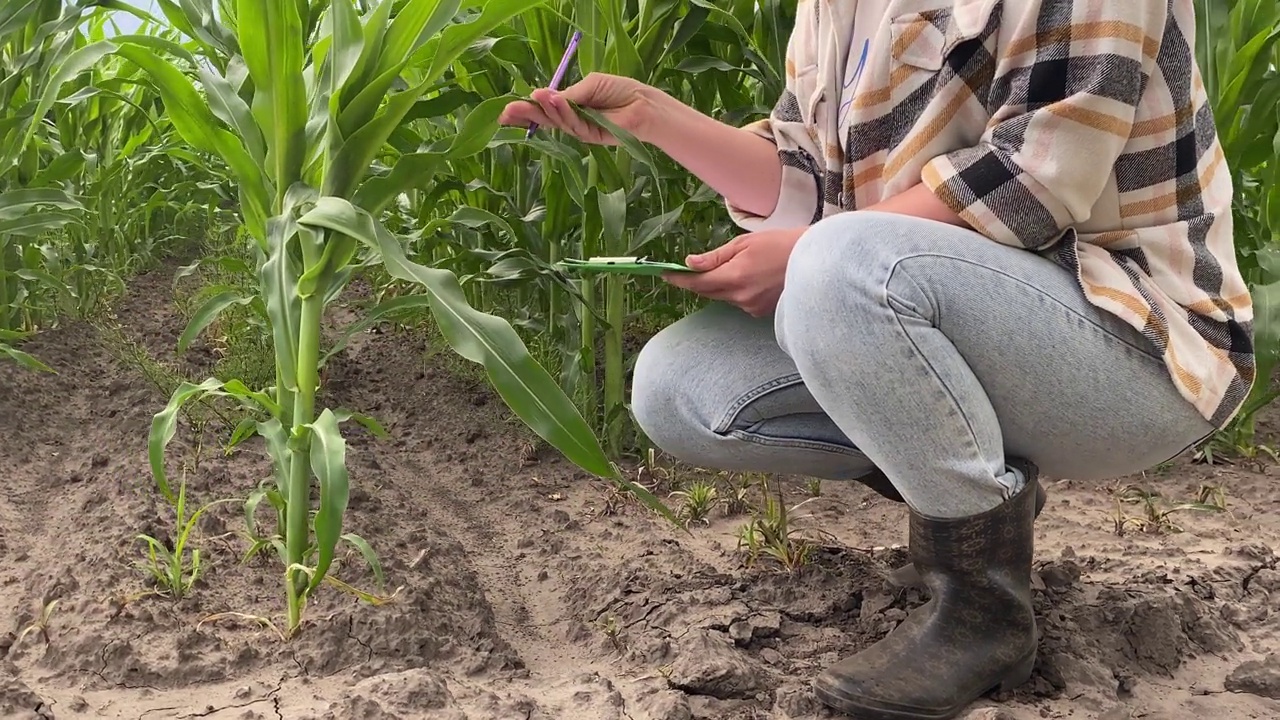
<point>1079,129</point>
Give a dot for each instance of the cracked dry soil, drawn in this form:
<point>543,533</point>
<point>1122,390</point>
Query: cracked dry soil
<point>528,591</point>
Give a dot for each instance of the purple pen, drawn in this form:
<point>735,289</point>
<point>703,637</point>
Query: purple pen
<point>560,71</point>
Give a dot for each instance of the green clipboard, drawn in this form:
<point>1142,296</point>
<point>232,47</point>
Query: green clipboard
<point>623,265</point>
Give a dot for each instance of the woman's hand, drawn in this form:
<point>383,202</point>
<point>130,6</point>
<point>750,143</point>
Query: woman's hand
<point>624,101</point>
<point>748,271</point>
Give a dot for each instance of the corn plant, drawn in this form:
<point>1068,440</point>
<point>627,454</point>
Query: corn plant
<point>301,107</point>
<point>620,201</point>
<point>1238,49</point>
<point>34,40</point>
<point>77,199</point>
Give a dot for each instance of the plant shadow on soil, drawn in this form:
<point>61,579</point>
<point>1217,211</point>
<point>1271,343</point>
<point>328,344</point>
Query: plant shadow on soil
<point>525,589</point>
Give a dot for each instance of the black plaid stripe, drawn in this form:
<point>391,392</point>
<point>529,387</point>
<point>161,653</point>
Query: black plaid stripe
<point>1149,168</point>
<point>1175,63</point>
<point>834,194</point>
<point>1237,392</point>
<point>1206,271</point>
<point>1136,256</point>
<point>787,108</point>
<point>1157,327</point>
<point>801,160</point>
<point>1048,82</point>
<point>868,138</point>
<point>974,62</point>
<point>1229,335</point>
<point>988,177</point>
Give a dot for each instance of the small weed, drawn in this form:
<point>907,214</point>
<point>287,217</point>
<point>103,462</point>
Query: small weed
<point>699,498</point>
<point>813,486</point>
<point>772,533</point>
<point>172,570</point>
<point>41,624</point>
<point>612,630</point>
<point>1234,442</point>
<point>1212,495</point>
<point>653,474</point>
<point>1154,516</point>
<point>736,500</point>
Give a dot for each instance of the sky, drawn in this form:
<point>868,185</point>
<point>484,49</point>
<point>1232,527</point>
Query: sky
<point>129,23</point>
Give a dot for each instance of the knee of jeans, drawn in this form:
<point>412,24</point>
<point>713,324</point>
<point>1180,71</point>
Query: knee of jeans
<point>836,253</point>
<point>664,398</point>
<point>831,271</point>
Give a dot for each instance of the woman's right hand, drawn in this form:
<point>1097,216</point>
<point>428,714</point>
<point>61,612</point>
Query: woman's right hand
<point>624,101</point>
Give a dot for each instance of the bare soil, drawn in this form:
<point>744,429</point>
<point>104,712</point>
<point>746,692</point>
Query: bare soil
<point>524,589</point>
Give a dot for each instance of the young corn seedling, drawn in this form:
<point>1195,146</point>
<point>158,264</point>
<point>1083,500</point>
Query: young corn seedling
<point>300,99</point>
<point>173,572</point>
<point>40,625</point>
<point>737,496</point>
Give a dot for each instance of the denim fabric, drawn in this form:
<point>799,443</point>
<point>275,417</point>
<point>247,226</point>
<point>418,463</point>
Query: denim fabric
<point>924,350</point>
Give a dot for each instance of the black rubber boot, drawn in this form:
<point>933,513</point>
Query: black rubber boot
<point>906,576</point>
<point>977,632</point>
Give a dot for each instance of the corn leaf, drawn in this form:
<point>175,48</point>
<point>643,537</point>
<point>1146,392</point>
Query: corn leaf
<point>207,313</point>
<point>417,22</point>
<point>197,124</point>
<point>477,129</point>
<point>271,42</point>
<point>165,423</point>
<point>24,359</point>
<point>482,338</point>
<point>16,202</point>
<point>382,310</point>
<point>36,223</point>
<point>276,277</point>
<point>457,38</point>
<point>328,462</point>
<point>230,108</point>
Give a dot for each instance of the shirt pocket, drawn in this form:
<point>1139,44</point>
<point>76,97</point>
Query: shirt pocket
<point>922,41</point>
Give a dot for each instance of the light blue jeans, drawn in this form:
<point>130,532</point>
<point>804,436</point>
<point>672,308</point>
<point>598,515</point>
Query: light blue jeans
<point>922,349</point>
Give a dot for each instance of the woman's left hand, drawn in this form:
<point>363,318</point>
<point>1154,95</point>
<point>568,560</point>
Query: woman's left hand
<point>748,271</point>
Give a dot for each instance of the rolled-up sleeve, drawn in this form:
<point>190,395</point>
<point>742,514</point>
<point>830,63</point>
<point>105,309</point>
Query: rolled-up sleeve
<point>800,197</point>
<point>1065,106</point>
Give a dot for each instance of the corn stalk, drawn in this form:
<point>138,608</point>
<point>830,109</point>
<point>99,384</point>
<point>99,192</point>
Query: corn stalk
<point>301,109</point>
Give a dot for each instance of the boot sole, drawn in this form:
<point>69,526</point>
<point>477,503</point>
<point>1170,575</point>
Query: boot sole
<point>858,708</point>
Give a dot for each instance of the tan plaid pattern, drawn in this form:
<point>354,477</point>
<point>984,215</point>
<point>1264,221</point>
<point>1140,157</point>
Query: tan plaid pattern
<point>1078,129</point>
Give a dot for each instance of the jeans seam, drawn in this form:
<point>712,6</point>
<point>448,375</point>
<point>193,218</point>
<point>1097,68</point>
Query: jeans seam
<point>725,428</point>
<point>767,441</point>
<point>731,413</point>
<point>1144,351</point>
<point>897,316</point>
